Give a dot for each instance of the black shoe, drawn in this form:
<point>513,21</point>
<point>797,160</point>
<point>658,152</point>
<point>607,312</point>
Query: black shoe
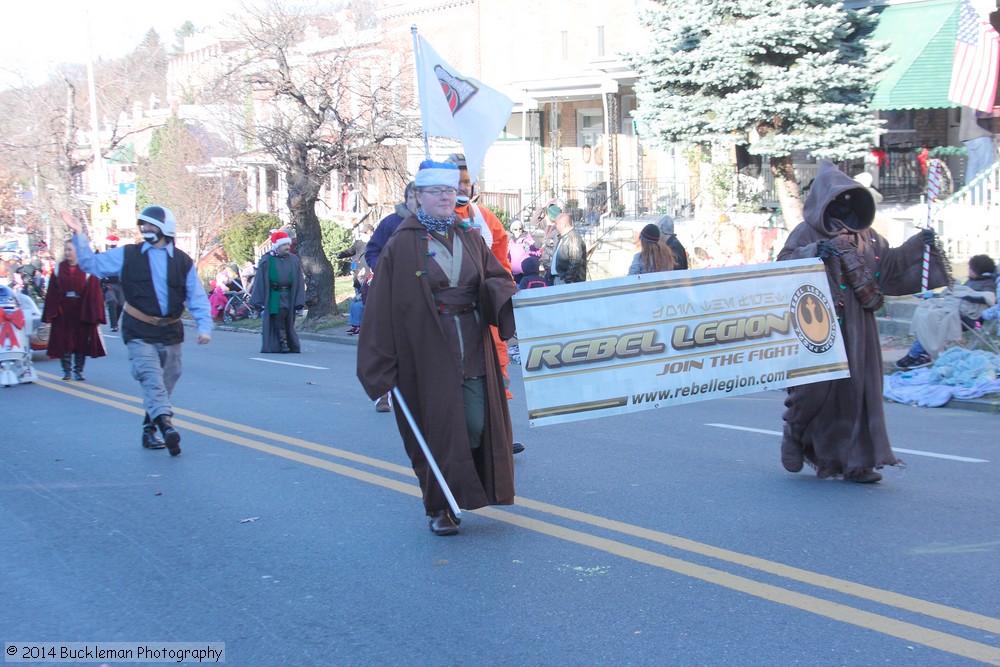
<point>919,361</point>
<point>66,375</point>
<point>442,524</point>
<point>114,328</point>
<point>867,476</point>
<point>518,447</point>
<point>150,440</point>
<point>78,376</point>
<point>171,438</point>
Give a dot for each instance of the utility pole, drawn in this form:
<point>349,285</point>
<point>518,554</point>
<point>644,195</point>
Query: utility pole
<point>97,171</point>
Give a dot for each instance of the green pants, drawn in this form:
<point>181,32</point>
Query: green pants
<point>474,395</point>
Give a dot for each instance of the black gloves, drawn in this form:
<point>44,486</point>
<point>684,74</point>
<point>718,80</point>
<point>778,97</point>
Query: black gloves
<point>928,236</point>
<point>825,249</point>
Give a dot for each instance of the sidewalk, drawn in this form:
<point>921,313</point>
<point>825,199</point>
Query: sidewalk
<point>894,347</point>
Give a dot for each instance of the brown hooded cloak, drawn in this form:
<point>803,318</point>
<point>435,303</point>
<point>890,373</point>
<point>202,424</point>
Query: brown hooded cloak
<point>839,426</point>
<point>403,344</point>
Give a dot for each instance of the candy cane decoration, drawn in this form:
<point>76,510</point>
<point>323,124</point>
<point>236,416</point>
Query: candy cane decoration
<point>935,175</point>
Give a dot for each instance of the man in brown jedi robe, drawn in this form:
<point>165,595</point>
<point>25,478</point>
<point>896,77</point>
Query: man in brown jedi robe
<point>279,291</point>
<point>839,426</point>
<point>434,293</point>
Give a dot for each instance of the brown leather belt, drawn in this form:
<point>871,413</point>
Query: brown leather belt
<point>456,309</point>
<point>149,319</point>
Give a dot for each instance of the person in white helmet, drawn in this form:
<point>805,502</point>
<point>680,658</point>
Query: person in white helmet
<point>159,281</point>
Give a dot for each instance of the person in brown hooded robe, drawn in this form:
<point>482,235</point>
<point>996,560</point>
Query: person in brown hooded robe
<point>434,293</point>
<point>74,306</point>
<point>838,426</point>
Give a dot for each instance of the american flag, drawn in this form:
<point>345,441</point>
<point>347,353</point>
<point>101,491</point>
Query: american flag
<point>977,53</point>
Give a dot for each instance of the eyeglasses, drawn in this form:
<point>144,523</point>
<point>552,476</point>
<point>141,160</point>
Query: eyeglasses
<point>437,192</point>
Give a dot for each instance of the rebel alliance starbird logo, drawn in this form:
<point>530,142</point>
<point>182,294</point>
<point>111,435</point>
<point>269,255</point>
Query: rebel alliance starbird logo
<point>457,91</point>
<point>812,319</point>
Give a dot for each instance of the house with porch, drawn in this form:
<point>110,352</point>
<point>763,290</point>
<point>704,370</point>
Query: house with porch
<point>572,135</point>
<point>922,123</point>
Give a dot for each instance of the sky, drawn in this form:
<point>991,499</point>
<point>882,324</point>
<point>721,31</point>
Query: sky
<point>37,34</point>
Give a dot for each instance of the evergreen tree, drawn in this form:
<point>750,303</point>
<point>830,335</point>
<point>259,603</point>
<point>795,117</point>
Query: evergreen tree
<point>186,30</point>
<point>798,73</point>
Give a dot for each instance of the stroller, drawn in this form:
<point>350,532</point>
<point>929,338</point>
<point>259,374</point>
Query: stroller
<point>17,321</point>
<point>238,306</point>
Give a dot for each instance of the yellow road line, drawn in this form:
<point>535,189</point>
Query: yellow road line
<point>297,442</point>
<point>835,611</point>
<point>905,602</point>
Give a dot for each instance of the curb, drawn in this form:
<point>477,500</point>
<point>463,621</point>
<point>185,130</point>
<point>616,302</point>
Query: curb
<point>342,338</point>
<point>986,405</point>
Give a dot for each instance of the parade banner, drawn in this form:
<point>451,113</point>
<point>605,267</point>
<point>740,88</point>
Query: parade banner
<point>621,345</point>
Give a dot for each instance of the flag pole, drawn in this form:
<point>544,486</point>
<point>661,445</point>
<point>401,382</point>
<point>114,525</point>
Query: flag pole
<point>934,177</point>
<point>417,60</point>
<point>398,398</point>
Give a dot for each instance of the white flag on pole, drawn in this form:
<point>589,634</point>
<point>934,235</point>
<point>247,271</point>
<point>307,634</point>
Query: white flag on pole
<point>459,107</point>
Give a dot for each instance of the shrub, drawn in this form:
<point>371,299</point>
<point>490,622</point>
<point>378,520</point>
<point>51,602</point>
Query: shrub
<point>246,232</point>
<point>336,238</point>
<point>501,215</point>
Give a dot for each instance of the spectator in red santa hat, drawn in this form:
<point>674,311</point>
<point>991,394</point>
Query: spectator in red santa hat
<point>279,292</point>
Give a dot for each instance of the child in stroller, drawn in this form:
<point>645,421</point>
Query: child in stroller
<point>229,299</point>
<point>238,305</point>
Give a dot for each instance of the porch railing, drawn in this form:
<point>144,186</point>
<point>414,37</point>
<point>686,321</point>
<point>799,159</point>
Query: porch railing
<point>969,220</point>
<point>507,202</point>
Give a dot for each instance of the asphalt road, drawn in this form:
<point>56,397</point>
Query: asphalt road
<point>291,530</point>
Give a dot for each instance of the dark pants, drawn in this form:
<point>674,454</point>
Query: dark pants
<point>474,395</point>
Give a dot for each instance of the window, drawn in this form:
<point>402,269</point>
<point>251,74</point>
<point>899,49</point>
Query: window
<point>600,41</point>
<point>589,135</point>
<point>627,114</point>
<point>899,120</point>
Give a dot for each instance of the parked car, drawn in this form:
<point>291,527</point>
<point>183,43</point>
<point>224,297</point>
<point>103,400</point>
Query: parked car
<point>10,249</point>
<point>40,335</point>
<point>39,339</point>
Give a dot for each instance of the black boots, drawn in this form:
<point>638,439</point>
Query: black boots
<point>171,438</point>
<point>150,440</point>
<point>73,363</point>
<point>79,358</point>
<point>282,340</point>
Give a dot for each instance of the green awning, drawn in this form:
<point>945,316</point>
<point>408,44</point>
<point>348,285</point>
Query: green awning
<point>123,154</point>
<point>921,37</point>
